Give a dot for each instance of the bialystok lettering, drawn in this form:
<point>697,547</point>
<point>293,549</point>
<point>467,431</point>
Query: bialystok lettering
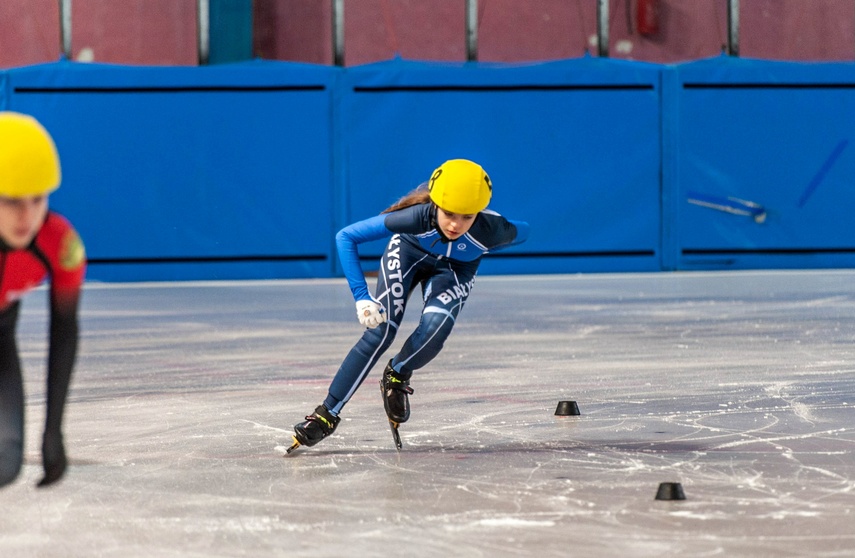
<point>458,292</point>
<point>394,277</point>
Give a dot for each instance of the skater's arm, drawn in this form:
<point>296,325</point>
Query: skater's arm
<point>504,232</point>
<point>347,241</point>
<point>67,263</point>
<point>61,357</point>
<point>522,232</point>
<point>62,352</point>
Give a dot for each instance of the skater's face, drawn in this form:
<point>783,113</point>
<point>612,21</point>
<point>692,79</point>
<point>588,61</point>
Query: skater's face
<point>454,225</point>
<point>21,219</point>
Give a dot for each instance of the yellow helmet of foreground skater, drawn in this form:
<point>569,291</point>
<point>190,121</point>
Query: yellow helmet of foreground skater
<point>29,164</point>
<point>460,186</point>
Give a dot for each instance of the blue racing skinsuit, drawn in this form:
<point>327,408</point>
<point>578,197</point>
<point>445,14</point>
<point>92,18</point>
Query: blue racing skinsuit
<point>417,254</point>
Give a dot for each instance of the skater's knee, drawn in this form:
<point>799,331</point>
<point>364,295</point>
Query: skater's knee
<point>436,323</point>
<point>380,337</point>
<point>429,337</point>
<point>11,458</point>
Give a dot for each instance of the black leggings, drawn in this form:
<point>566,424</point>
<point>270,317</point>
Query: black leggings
<point>11,399</point>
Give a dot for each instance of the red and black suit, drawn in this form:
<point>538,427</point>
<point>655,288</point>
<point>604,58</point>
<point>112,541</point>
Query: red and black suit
<point>55,254</point>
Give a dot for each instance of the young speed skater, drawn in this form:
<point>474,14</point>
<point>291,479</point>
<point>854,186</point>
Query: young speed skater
<point>35,243</point>
<point>439,233</point>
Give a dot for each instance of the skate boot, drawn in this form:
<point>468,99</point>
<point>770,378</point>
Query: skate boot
<point>395,388</point>
<point>317,426</point>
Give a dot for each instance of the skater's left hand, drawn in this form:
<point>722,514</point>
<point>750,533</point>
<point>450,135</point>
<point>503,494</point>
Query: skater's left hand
<point>370,313</point>
<point>53,458</point>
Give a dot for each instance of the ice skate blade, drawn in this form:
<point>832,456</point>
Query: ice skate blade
<point>293,447</point>
<point>395,435</point>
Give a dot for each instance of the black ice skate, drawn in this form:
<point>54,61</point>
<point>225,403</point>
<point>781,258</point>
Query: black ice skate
<point>318,426</point>
<point>395,388</point>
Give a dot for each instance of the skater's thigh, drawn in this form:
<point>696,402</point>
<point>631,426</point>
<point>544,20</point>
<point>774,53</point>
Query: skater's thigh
<point>398,275</point>
<point>447,290</point>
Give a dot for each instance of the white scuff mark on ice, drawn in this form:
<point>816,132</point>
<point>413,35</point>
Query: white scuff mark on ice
<point>779,438</point>
<point>501,522</point>
<point>513,522</point>
<point>787,514</point>
<point>800,409</point>
<point>701,516</point>
<point>803,411</point>
<point>266,427</point>
<point>237,525</point>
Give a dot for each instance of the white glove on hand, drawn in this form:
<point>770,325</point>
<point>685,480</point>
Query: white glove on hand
<point>370,313</point>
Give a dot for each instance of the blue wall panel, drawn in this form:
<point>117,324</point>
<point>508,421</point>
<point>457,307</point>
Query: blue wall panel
<point>248,170</point>
<point>218,172</point>
<point>573,147</point>
<point>777,135</point>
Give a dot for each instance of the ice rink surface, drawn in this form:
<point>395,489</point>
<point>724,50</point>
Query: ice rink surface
<point>738,385</point>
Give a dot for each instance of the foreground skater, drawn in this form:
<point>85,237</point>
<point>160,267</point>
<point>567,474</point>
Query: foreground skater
<point>439,232</point>
<point>34,244</point>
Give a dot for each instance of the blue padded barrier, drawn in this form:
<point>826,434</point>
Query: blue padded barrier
<point>571,146</point>
<point>761,164</point>
<point>247,170</point>
<point>218,172</point>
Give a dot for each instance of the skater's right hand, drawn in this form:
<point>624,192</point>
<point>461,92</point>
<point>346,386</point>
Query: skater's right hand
<point>370,313</point>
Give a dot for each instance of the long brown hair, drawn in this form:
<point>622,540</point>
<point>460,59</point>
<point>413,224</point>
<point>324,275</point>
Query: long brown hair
<point>416,197</point>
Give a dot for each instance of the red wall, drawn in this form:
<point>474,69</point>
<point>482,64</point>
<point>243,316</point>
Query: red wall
<point>163,32</point>
<point>146,32</point>
<point>29,32</point>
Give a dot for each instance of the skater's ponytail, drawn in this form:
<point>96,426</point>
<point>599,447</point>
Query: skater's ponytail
<point>417,197</point>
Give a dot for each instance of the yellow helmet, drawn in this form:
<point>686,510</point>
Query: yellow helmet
<point>29,164</point>
<point>460,186</point>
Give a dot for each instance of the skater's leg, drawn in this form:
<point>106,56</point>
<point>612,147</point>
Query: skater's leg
<point>445,293</point>
<point>444,296</point>
<point>397,277</point>
<point>357,364</point>
<point>11,400</point>
<point>400,269</point>
<point>420,348</point>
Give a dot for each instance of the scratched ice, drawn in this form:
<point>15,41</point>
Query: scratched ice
<point>738,385</point>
